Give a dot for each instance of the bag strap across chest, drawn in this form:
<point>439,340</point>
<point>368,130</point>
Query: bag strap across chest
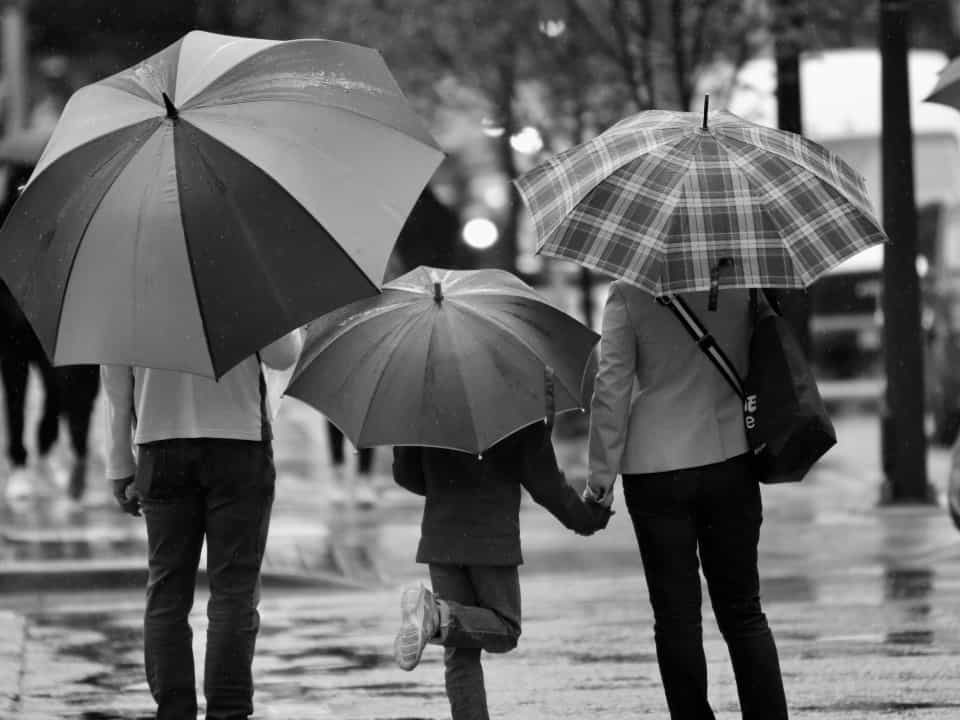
<point>705,341</point>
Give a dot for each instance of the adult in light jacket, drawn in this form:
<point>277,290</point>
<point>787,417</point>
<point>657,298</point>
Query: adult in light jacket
<point>664,418</point>
<point>202,470</point>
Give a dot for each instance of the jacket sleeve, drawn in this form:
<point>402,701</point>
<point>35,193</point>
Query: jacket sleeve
<point>548,486</point>
<point>408,469</point>
<point>117,381</point>
<point>610,407</point>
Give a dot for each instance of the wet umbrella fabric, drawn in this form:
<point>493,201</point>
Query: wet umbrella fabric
<point>947,90</point>
<point>661,201</point>
<point>460,371</point>
<point>191,209</point>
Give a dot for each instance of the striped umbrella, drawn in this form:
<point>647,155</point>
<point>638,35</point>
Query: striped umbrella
<point>456,359</point>
<point>670,200</point>
<point>193,208</point>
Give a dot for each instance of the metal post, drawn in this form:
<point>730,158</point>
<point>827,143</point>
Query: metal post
<point>903,435</point>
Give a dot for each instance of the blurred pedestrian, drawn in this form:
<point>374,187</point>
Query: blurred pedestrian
<point>470,538</point>
<point>203,469</point>
<point>358,488</point>
<point>68,391</point>
<point>664,418</point>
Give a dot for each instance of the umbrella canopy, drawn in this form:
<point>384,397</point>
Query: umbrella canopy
<point>663,199</point>
<point>443,358</point>
<point>191,209</point>
<point>947,89</point>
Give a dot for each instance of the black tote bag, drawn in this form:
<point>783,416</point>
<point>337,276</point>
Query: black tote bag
<point>787,425</point>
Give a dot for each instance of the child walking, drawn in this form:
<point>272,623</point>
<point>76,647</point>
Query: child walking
<point>470,538</point>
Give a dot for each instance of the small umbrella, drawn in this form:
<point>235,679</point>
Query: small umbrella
<point>443,358</point>
<point>193,208</point>
<point>667,201</point>
<point>947,90</point>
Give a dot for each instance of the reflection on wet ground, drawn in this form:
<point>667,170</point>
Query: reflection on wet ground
<point>864,603</point>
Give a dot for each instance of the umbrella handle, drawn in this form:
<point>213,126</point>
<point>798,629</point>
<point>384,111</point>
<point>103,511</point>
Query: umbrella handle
<point>548,397</point>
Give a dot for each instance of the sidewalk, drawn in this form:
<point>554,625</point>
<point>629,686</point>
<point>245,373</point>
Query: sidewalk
<point>864,602</point>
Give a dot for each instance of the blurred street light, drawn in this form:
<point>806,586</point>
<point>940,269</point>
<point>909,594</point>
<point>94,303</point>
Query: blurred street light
<point>527,141</point>
<point>554,27</point>
<point>491,128</point>
<point>480,233</point>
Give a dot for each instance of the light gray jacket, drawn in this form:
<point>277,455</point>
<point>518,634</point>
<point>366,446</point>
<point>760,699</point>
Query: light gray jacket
<point>659,403</point>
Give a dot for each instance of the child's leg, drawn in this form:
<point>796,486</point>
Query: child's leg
<point>480,610</point>
<point>488,616</point>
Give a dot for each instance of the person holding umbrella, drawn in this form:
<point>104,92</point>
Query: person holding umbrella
<point>470,539</point>
<point>203,470</point>
<point>675,206</point>
<point>462,372</point>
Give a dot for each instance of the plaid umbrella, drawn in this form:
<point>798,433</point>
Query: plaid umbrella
<point>666,202</point>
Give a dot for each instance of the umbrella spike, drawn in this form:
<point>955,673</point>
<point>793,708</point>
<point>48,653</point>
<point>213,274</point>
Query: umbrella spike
<point>706,107</point>
<point>437,292</point>
<point>172,112</point>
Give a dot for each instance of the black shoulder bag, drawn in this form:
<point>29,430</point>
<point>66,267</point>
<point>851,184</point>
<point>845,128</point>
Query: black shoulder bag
<point>788,428</point>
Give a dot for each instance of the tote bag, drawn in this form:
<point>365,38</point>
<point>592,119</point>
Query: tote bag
<point>787,425</point>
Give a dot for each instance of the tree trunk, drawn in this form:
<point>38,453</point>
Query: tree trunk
<point>795,304</point>
<point>904,441</point>
<point>507,252</point>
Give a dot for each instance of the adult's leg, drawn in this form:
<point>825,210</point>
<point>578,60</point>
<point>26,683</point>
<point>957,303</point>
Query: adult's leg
<point>14,369</point>
<point>241,479</point>
<point>729,518</point>
<point>49,426</point>
<point>463,673</point>
<point>336,443</point>
<point>663,515</point>
<point>365,460</point>
<point>79,385</point>
<point>173,508</point>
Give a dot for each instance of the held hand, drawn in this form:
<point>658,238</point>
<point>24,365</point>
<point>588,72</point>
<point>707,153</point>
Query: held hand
<point>598,494</point>
<point>126,496</point>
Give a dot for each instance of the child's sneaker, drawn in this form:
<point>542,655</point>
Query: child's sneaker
<point>420,622</point>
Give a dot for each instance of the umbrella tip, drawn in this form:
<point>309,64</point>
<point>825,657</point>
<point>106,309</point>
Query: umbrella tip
<point>171,108</point>
<point>437,291</point>
<point>706,107</point>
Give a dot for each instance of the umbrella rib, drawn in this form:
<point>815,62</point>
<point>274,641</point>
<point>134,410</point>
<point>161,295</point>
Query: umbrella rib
<point>404,330</point>
<point>76,251</point>
<point>520,340</point>
<point>210,168</point>
<point>422,136</point>
<point>826,179</point>
<point>562,165</point>
<point>273,180</point>
<point>760,190</point>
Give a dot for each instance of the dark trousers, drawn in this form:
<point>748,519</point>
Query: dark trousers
<point>364,455</point>
<point>717,510</point>
<point>484,602</point>
<point>222,490</point>
<point>71,390</point>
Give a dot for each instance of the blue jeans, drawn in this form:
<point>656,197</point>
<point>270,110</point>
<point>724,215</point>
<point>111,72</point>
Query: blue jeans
<point>222,490</point>
<point>717,510</point>
<point>484,602</point>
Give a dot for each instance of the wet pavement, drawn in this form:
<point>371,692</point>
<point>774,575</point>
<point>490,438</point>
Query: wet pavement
<point>864,602</point>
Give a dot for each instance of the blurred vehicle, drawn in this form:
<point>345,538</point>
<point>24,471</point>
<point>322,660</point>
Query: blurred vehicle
<point>942,311</point>
<point>953,485</point>
<point>841,110</point>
